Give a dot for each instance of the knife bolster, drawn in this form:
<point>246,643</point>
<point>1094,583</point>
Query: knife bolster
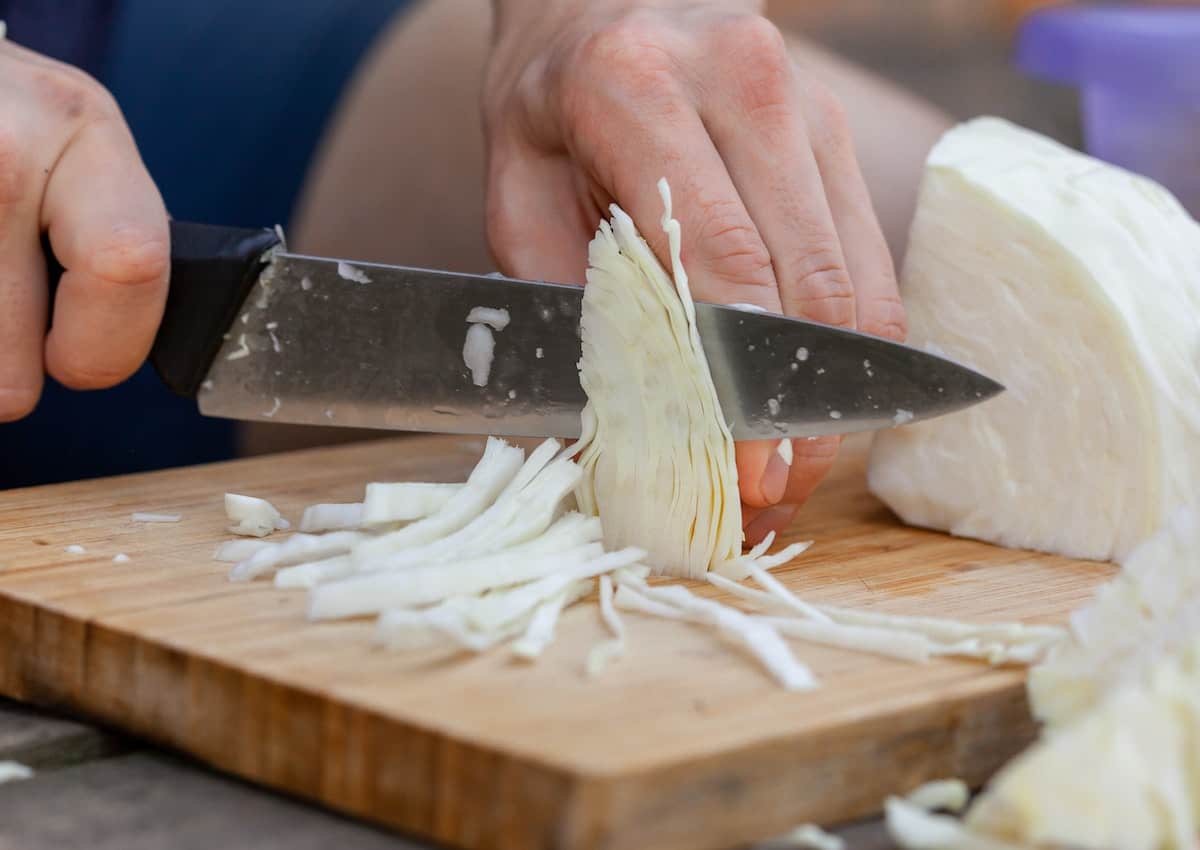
<point>213,270</point>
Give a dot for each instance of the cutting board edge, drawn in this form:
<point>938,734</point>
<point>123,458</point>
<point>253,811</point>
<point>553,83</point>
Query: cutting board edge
<point>152,690</point>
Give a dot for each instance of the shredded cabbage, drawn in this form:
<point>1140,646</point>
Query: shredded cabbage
<point>656,453</point>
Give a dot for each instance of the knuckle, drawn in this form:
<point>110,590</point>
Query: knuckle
<point>135,254</point>
<point>759,64</point>
<point>18,402</point>
<point>631,52</point>
<point>887,319</point>
<point>832,127</point>
<point>752,41</point>
<point>820,288</point>
<point>503,227</point>
<point>733,247</point>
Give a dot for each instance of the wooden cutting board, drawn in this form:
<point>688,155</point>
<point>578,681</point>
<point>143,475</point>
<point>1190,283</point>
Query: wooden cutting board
<point>684,743</point>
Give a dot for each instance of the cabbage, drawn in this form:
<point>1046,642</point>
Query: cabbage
<point>657,455</point>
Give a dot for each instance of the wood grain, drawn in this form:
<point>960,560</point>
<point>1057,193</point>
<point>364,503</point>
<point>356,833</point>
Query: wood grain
<point>682,744</point>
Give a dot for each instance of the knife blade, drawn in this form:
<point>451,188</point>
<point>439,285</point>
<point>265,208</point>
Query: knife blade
<point>257,333</point>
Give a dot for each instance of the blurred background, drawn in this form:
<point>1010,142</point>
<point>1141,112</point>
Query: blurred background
<point>955,53</point>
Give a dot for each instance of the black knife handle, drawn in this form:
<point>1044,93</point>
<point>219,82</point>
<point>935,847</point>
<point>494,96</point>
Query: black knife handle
<point>212,271</point>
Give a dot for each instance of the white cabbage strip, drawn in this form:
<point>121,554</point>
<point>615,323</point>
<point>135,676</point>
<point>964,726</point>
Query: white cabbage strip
<point>297,549</point>
<point>754,636</point>
<point>403,502</point>
<point>610,650</point>
<point>496,317</point>
<point>252,516</point>
<point>332,517</point>
<point>479,347</point>
<point>143,516</point>
<point>239,549</point>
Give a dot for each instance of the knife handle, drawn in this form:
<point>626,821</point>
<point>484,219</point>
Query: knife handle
<point>212,271</point>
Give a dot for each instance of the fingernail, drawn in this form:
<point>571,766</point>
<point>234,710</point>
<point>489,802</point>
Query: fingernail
<point>775,479</point>
<point>772,519</point>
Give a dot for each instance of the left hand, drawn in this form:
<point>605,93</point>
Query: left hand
<point>592,101</point>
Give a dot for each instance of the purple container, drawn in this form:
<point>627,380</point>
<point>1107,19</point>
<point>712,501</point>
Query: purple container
<point>1138,72</point>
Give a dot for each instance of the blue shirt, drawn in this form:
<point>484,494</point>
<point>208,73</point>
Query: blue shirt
<point>227,100</point>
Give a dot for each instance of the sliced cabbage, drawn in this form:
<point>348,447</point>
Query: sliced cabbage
<point>297,549</point>
<point>522,511</point>
<point>332,517</point>
<point>240,549</point>
<point>479,350</point>
<point>1077,285</point>
<point>469,566</point>
<point>1150,610</point>
<point>602,654</point>
<point>401,502</point>
<point>1118,765</point>
<point>540,632</point>
<point>145,516</point>
<point>950,795</point>
<point>1125,774</point>
<point>495,470</point>
<point>495,317</point>
<point>759,639</point>
<point>657,455</point>
<point>808,836</point>
<point>252,516</point>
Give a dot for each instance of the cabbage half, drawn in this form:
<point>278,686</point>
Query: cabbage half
<point>1077,285</point>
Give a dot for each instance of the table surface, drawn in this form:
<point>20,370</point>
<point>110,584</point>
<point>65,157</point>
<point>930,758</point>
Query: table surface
<point>124,795</point>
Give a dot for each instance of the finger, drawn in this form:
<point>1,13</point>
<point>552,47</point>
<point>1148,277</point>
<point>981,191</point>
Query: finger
<point>878,308</point>
<point>812,461</point>
<point>759,523</point>
<point>108,228</point>
<point>757,123</point>
<point>626,116</point>
<point>539,222</point>
<point>726,259</point>
<point>22,278</point>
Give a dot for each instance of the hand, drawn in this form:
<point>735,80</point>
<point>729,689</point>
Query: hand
<point>69,166</point>
<point>591,101</point>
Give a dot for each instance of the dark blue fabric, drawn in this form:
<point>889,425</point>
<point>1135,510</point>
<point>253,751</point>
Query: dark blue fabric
<point>227,100</point>
<point>74,31</point>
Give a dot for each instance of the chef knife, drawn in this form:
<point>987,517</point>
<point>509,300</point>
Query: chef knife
<point>254,332</point>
